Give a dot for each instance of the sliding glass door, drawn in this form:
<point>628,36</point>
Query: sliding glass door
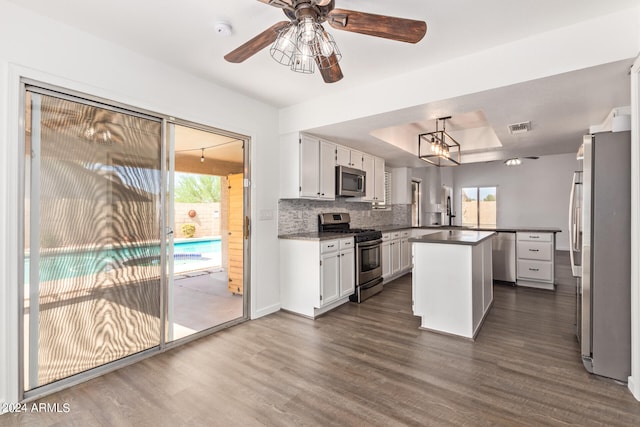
<point>113,265</point>
<point>93,235</point>
<point>206,212</point>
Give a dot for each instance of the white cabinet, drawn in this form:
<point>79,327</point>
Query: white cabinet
<point>396,254</point>
<point>348,157</point>
<point>317,171</point>
<point>347,267</point>
<point>308,168</point>
<point>374,189</point>
<point>329,277</point>
<point>535,259</point>
<point>337,272</point>
<point>405,250</point>
<point>316,276</point>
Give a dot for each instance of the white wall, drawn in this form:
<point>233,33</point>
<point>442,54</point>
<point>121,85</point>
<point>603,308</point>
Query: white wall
<point>534,194</point>
<point>41,49</point>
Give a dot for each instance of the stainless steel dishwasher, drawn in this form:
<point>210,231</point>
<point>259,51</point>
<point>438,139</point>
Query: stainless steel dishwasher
<point>504,257</point>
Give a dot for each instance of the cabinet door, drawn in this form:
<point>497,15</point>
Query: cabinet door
<point>368,166</point>
<point>309,167</point>
<point>386,259</point>
<point>396,260</point>
<point>378,193</point>
<point>343,156</point>
<point>347,272</point>
<point>327,167</point>
<point>330,278</point>
<point>357,159</point>
<point>405,254</point>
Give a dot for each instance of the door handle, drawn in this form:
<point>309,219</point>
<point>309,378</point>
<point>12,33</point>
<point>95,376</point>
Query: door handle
<point>246,228</point>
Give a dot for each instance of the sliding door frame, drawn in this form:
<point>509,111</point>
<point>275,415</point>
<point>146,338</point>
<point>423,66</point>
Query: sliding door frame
<point>45,88</point>
<point>246,296</point>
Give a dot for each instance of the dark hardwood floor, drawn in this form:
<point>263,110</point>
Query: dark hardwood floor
<point>364,365</point>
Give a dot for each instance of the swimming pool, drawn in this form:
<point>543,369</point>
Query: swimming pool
<point>65,263</point>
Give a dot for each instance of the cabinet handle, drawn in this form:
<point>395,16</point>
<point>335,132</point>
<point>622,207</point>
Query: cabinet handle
<point>323,194</point>
<point>534,269</point>
<point>534,250</point>
<point>534,237</point>
<point>330,246</point>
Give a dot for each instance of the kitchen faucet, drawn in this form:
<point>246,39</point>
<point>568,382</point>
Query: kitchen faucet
<point>449,212</point>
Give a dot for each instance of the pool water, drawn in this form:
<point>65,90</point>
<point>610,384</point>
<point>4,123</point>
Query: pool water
<point>56,266</point>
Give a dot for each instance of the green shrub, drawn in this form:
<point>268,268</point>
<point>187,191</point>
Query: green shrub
<point>188,230</point>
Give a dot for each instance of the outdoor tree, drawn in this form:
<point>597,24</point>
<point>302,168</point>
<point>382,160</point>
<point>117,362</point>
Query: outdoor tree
<point>490,198</point>
<point>192,188</point>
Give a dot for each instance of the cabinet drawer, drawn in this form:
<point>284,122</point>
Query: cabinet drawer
<point>346,243</point>
<point>535,237</point>
<point>535,270</point>
<point>405,233</point>
<point>534,250</point>
<point>395,235</point>
<point>329,246</point>
<point>386,236</point>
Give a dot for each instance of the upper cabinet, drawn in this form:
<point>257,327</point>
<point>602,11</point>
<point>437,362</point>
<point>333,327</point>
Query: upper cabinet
<point>308,169</point>
<point>317,171</point>
<point>345,156</point>
<point>374,187</point>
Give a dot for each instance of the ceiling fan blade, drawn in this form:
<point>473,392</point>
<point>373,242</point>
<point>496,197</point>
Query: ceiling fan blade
<point>282,4</point>
<point>330,74</point>
<point>388,27</point>
<point>256,44</point>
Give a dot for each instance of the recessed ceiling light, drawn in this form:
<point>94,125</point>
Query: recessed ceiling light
<point>513,162</point>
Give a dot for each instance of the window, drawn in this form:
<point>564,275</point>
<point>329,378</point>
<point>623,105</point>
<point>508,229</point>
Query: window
<point>479,206</point>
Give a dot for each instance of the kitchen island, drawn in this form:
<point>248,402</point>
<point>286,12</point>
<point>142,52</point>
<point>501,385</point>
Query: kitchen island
<point>452,280</point>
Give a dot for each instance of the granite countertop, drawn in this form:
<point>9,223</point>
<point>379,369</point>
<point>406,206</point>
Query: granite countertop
<point>455,237</point>
<point>315,235</point>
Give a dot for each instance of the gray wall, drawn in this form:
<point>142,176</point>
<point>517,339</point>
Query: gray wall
<point>536,193</point>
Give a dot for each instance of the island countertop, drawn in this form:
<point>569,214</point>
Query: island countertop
<point>455,237</point>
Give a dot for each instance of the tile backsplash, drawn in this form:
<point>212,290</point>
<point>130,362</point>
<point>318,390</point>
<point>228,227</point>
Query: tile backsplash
<point>301,216</point>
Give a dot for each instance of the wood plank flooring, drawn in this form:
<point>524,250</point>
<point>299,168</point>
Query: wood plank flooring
<point>364,365</point>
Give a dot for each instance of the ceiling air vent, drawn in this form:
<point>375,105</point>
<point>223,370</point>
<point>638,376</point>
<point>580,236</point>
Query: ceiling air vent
<point>520,127</point>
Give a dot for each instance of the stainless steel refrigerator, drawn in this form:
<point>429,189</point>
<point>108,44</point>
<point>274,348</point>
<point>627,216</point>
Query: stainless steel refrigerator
<point>600,240</point>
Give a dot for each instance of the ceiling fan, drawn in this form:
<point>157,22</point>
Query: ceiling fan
<point>302,43</point>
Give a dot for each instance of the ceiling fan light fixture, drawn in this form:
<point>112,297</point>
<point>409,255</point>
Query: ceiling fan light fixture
<point>513,162</point>
<point>308,31</point>
<point>303,60</point>
<point>328,54</point>
<point>284,48</point>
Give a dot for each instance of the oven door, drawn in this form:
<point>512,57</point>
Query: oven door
<point>369,261</point>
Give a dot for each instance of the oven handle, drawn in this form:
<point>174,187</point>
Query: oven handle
<point>370,243</point>
<point>371,284</point>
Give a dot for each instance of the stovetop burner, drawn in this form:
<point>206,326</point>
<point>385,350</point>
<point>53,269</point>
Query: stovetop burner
<point>339,223</point>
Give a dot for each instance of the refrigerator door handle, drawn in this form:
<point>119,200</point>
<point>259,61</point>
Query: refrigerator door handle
<point>575,271</point>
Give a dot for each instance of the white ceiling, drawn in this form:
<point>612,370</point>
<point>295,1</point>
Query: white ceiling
<point>182,33</point>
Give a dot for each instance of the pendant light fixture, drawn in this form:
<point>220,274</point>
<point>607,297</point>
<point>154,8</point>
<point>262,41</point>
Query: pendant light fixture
<point>439,148</point>
<point>202,157</point>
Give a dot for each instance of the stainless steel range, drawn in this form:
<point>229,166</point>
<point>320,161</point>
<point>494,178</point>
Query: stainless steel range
<point>368,268</point>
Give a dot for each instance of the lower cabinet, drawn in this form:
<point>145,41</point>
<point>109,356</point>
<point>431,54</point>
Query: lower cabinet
<point>316,276</point>
<point>535,259</point>
<point>396,254</point>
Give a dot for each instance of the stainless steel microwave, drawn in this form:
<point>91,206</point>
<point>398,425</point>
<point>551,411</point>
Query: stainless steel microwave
<point>350,182</point>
